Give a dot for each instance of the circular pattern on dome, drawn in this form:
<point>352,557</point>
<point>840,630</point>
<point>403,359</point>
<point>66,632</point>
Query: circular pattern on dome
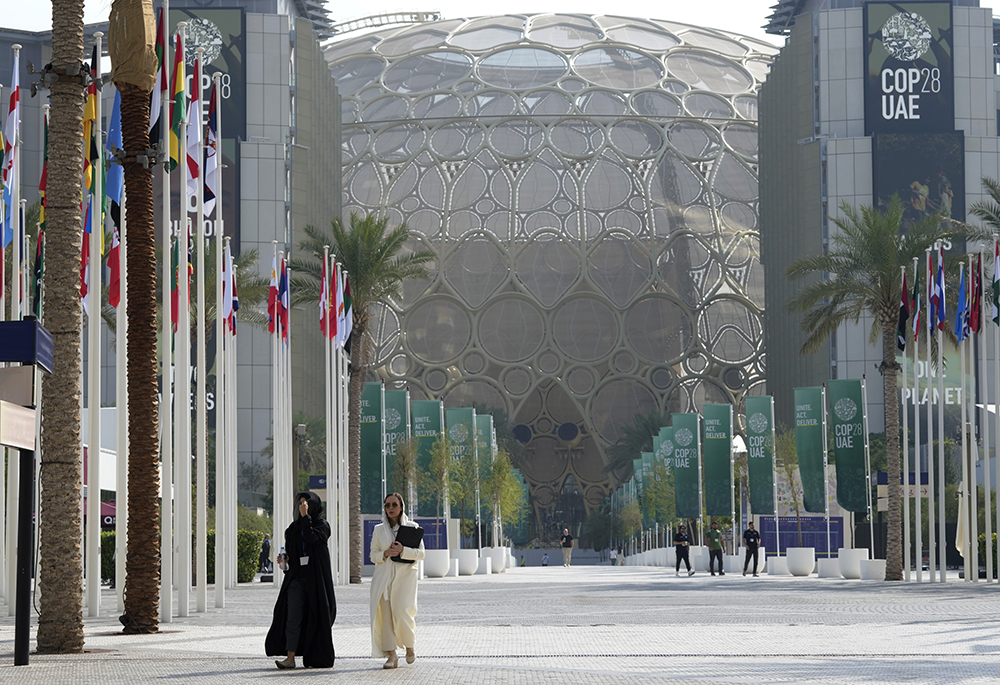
<point>617,68</point>
<point>436,379</point>
<point>576,137</point>
<point>430,71</point>
<point>438,331</point>
<point>624,362</point>
<point>616,405</point>
<point>473,363</point>
<point>707,106</point>
<point>661,377</point>
<point>522,68</point>
<point>708,72</point>
<point>585,329</point>
<point>656,104</point>
<point>580,380</point>
<point>658,329</point>
<point>517,381</point>
<point>511,330</point>
<point>548,362</point>
<point>636,138</point>
<point>353,75</point>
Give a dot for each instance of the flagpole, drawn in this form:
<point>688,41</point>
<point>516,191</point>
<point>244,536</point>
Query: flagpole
<point>6,550</point>
<point>942,546</point>
<point>868,471</point>
<point>996,380</point>
<point>231,525</point>
<point>984,393</point>
<point>222,435</point>
<point>931,514</point>
<point>967,402</point>
<point>13,463</point>
<point>276,484</point>
<point>166,353</point>
<point>182,466</point>
<point>343,379</point>
<point>15,201</point>
<point>826,479</point>
<point>331,497</point>
<point>94,367</point>
<point>906,442</point>
<point>963,544</point>
<point>121,412</point>
<point>201,361</point>
<point>918,487</point>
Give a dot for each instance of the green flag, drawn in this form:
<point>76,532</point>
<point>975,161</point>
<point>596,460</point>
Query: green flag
<point>847,421</point>
<point>427,418</point>
<point>809,432</point>
<point>718,436</point>
<point>372,447</point>
<point>397,427</point>
<point>687,453</point>
<point>760,453</point>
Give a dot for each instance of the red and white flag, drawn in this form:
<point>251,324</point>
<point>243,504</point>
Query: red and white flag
<point>114,261</point>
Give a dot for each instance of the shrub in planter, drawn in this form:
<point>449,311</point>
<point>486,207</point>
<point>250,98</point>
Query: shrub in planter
<point>982,551</point>
<point>108,556</point>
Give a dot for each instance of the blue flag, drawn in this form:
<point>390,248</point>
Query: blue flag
<point>960,312</point>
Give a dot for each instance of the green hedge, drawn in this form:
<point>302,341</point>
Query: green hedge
<point>247,555</point>
<point>982,551</point>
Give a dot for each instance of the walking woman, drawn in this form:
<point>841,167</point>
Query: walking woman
<point>306,607</point>
<point>393,600</point>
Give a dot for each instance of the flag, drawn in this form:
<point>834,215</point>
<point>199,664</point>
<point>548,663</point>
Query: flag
<point>338,304</point>
<point>904,316</point>
<point>283,300</point>
<point>114,189</point>
<point>236,298</point>
<point>85,258</point>
<point>324,309</point>
<point>227,284</point>
<point>272,294</point>
<point>175,260</point>
<point>348,310</point>
<point>156,97</point>
<point>193,165</point>
<point>331,311</point>
<point>177,115</point>
<point>211,162</point>
<point>996,282</point>
<point>916,304</point>
<point>938,297</point>
<point>976,299</point>
<point>960,311</point>
<point>10,151</point>
<point>91,154</point>
<point>38,272</point>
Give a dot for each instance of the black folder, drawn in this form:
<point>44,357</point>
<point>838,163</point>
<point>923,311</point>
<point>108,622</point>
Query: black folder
<point>408,536</point>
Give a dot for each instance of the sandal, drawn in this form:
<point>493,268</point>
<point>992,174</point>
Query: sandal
<point>391,661</point>
<point>410,656</point>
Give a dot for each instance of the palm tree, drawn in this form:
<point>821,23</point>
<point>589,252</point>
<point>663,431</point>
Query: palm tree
<point>370,252</point>
<point>860,276</point>
<point>135,77</point>
<point>60,571</point>
<point>636,439</point>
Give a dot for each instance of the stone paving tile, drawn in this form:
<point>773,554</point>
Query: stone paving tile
<point>580,625</point>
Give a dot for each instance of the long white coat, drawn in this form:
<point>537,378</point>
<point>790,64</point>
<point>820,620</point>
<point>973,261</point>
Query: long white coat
<point>393,581</point>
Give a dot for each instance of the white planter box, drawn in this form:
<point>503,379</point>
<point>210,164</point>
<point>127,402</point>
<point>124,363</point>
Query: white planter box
<point>801,560</point>
<point>485,567</point>
<point>850,562</point>
<point>468,561</point>
<point>777,566</point>
<point>436,562</point>
<point>872,569</point>
<point>828,568</point>
<point>499,557</point>
<point>698,554</point>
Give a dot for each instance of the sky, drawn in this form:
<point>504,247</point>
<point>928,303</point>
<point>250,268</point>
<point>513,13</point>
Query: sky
<point>739,16</point>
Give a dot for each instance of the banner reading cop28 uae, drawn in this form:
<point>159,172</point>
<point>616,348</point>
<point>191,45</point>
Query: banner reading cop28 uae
<point>909,67</point>
<point>847,420</point>
<point>397,427</point>
<point>687,452</point>
<point>760,453</point>
<point>372,447</point>
<point>664,451</point>
<point>718,422</point>
<point>428,424</point>
<point>809,432</point>
<point>462,434</point>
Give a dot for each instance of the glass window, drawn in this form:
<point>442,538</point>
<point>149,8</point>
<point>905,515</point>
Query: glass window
<point>618,68</point>
<point>522,68</point>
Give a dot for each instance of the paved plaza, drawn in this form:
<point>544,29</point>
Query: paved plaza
<point>584,624</point>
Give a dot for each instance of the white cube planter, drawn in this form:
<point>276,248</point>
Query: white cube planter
<point>499,557</point>
<point>872,569</point>
<point>698,554</point>
<point>485,567</point>
<point>733,563</point>
<point>468,561</point>
<point>777,566</point>
<point>850,562</point>
<point>801,560</point>
<point>436,562</point>
<point>828,568</point>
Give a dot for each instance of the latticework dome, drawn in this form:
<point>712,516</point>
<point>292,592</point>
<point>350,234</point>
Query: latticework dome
<point>589,185</point>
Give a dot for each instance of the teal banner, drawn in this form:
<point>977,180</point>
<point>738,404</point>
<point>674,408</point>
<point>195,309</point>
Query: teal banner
<point>760,453</point>
<point>461,424</point>
<point>647,479</point>
<point>810,429</point>
<point>687,452</point>
<point>372,447</point>
<point>397,427</point>
<point>665,450</point>
<point>847,421</point>
<point>718,435</point>
<point>427,419</point>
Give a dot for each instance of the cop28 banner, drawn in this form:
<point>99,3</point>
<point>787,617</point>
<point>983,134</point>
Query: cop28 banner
<point>427,419</point>
<point>760,453</point>
<point>718,422</point>
<point>397,428</point>
<point>910,79</point>
<point>687,452</point>
<point>372,447</point>
<point>847,421</point>
<point>810,430</point>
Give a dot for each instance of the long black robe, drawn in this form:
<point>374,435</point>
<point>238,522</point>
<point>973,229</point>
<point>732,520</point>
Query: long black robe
<point>307,536</point>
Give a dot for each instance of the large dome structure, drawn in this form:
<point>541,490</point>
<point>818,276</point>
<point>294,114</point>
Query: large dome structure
<point>589,186</point>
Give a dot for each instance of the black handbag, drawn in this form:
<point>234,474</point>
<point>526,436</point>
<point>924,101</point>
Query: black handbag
<point>408,536</point>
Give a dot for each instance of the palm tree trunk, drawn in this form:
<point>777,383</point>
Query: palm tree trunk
<point>60,571</point>
<point>894,546</point>
<point>359,365</point>
<point>142,579</point>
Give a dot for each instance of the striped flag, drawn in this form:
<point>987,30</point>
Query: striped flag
<point>193,165</point>
<point>938,296</point>
<point>177,114</point>
<point>324,308</point>
<point>348,310</point>
<point>115,189</point>
<point>996,282</point>
<point>211,161</point>
<point>160,87</point>
<point>39,268</point>
<point>904,316</point>
<point>976,299</point>
<point>227,284</point>
<point>283,300</point>
<point>916,304</point>
<point>272,294</point>
<point>85,257</point>
<point>960,328</point>
<point>10,150</point>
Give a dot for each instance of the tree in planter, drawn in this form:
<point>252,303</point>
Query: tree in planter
<point>373,255</point>
<point>630,518</point>
<point>788,464</point>
<point>462,473</point>
<point>405,468</point>
<point>503,494</point>
<point>433,481</point>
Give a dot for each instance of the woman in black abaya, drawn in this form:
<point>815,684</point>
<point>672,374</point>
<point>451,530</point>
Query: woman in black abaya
<point>306,607</point>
